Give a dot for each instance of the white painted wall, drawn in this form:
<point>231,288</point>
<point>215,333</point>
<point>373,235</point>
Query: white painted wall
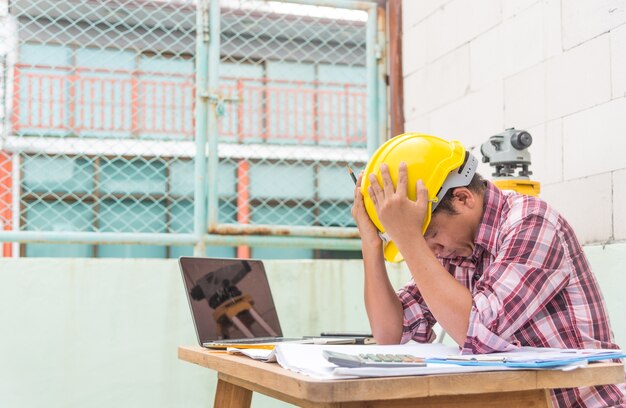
<point>556,68</point>
<point>96,333</point>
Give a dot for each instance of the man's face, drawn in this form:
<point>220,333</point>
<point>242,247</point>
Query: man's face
<point>451,235</point>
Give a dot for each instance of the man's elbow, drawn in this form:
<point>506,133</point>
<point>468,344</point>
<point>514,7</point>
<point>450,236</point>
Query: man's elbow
<point>387,338</point>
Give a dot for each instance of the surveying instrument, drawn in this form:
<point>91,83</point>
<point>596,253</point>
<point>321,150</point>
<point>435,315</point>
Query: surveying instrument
<point>508,153</point>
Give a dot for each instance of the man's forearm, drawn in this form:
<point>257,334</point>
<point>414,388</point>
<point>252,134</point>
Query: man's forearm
<point>449,301</point>
<point>384,309</point>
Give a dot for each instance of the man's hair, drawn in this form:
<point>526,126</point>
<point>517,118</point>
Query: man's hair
<point>477,185</point>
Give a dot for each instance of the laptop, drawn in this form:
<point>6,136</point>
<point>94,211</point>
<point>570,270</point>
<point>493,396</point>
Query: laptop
<point>231,303</point>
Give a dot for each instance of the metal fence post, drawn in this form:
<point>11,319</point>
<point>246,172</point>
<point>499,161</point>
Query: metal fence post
<point>381,55</point>
<point>214,100</point>
<point>372,81</point>
<point>202,63</point>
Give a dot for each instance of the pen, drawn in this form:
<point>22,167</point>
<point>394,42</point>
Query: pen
<point>351,174</point>
<point>475,357</point>
<point>328,340</point>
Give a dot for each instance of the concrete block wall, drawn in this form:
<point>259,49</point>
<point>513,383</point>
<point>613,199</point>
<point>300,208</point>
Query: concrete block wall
<point>556,68</point>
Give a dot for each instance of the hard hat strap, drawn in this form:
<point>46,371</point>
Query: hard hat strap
<point>460,177</point>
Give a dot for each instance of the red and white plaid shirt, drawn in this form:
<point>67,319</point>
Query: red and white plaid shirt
<point>531,285</point>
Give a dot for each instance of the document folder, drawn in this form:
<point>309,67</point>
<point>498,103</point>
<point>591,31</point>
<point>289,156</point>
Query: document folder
<point>516,363</point>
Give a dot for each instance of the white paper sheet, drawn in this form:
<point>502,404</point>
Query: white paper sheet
<point>266,355</point>
<point>308,360</point>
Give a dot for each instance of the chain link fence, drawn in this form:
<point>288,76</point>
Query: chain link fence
<point>104,111</point>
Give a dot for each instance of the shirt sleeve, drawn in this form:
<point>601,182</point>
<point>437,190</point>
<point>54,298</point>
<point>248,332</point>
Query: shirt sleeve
<point>529,270</point>
<point>418,321</point>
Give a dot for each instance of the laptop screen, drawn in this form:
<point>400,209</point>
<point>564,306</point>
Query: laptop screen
<point>229,298</point>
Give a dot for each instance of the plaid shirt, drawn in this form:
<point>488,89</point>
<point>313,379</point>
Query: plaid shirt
<point>531,285</point>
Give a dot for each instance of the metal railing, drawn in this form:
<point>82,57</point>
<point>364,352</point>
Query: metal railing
<point>80,101</point>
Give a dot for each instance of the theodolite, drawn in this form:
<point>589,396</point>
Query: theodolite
<point>508,153</point>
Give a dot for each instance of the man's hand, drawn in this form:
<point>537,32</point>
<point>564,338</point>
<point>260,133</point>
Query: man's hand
<point>399,215</point>
<point>367,229</point>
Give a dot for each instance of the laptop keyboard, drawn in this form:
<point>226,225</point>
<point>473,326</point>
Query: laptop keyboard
<point>255,340</point>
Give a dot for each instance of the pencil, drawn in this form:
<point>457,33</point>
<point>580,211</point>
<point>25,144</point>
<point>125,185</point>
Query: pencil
<point>351,174</point>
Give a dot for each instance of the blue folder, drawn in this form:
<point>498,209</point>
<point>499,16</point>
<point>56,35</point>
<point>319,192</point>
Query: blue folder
<point>528,364</point>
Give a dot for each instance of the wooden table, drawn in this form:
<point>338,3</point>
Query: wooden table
<point>239,376</point>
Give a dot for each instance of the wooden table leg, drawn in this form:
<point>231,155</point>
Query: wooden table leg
<point>229,395</point>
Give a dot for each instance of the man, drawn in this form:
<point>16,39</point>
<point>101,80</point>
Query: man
<point>497,270</point>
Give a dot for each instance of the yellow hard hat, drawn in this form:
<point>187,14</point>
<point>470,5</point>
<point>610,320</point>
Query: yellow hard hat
<point>429,158</point>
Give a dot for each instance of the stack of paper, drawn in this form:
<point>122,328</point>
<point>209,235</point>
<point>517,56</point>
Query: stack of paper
<point>441,359</point>
<point>266,355</point>
<point>309,360</point>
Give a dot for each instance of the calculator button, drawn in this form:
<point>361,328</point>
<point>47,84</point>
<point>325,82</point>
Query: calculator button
<point>384,357</point>
<point>373,357</point>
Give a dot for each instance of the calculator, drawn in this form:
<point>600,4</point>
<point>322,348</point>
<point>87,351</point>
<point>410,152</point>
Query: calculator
<point>373,360</point>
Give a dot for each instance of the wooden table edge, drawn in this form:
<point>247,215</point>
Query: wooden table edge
<point>289,384</point>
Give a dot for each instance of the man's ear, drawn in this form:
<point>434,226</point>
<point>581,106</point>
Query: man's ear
<point>464,197</point>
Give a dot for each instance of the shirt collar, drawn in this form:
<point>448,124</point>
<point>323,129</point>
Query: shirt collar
<point>493,202</point>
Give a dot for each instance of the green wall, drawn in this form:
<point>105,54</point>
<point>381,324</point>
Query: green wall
<point>104,332</point>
